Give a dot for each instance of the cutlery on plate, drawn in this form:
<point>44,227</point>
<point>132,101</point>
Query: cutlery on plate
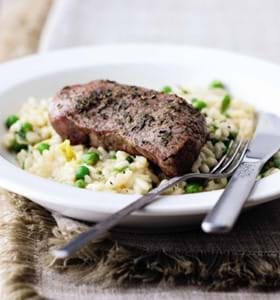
<point>225,168</point>
<point>265,143</point>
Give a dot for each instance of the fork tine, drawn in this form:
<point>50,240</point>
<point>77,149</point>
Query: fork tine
<point>221,161</point>
<point>235,164</point>
<point>229,162</point>
<point>231,157</point>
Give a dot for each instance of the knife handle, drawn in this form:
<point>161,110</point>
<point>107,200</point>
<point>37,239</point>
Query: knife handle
<point>226,211</point>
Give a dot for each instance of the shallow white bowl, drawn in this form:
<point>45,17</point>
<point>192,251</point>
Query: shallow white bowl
<point>250,79</point>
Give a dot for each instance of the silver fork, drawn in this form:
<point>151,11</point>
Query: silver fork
<point>225,168</point>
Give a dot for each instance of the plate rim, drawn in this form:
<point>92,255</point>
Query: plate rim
<point>57,192</point>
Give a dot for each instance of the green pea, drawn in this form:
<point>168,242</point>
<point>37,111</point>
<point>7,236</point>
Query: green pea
<point>265,168</point>
<point>42,147</point>
<point>81,172</point>
<point>90,158</point>
<point>193,187</point>
<point>213,127</point>
<point>130,159</point>
<point>120,169</point>
<point>225,103</point>
<point>80,183</point>
<point>25,127</point>
<point>233,135</point>
<point>166,89</point>
<point>11,120</point>
<point>276,163</point>
<point>198,104</point>
<point>216,84</point>
<point>184,91</point>
<point>226,144</point>
<point>17,147</point>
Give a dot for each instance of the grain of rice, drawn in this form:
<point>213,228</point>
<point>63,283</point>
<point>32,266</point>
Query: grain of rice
<point>113,172</point>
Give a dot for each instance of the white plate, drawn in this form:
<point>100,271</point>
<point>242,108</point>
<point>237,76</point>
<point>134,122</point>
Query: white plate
<point>255,81</point>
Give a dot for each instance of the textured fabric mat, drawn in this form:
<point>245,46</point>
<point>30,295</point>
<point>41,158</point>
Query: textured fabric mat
<point>21,22</point>
<point>248,257</point>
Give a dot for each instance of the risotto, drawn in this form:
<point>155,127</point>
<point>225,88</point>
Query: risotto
<point>40,150</point>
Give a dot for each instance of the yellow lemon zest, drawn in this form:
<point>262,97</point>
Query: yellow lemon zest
<point>67,151</point>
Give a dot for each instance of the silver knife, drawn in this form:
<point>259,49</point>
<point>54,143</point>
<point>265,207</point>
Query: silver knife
<point>265,144</point>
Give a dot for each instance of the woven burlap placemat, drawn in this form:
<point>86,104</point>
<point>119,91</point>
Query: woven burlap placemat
<point>248,257</point>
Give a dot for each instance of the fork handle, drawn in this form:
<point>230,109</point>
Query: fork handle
<point>114,219</point>
<point>224,214</point>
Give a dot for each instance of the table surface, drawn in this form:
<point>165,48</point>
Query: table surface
<point>59,292</point>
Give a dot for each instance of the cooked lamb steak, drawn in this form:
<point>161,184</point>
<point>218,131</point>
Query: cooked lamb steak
<point>162,127</point>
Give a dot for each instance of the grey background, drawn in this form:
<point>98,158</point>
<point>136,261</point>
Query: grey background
<point>246,26</point>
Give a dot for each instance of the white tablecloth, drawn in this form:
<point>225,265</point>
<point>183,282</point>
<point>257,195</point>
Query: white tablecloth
<point>247,26</point>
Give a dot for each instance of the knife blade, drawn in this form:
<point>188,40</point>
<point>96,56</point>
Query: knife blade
<point>265,144</point>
